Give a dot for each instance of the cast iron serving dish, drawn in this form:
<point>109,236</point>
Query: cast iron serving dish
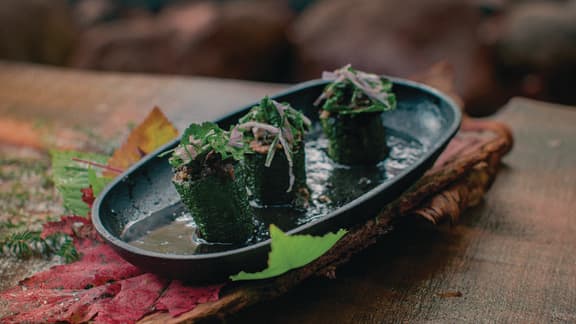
<point>145,191</point>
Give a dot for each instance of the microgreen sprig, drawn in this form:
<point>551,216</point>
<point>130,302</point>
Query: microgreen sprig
<point>354,92</point>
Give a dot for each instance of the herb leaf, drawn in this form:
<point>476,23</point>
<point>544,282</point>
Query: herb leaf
<point>29,244</point>
<point>291,252</point>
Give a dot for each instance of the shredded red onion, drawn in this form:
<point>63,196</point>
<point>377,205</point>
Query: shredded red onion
<point>288,154</point>
<point>280,107</point>
<point>306,121</point>
<point>252,124</point>
<point>186,153</point>
<point>236,138</point>
<point>286,129</point>
<point>369,83</point>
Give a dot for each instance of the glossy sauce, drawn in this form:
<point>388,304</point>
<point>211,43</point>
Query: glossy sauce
<point>331,185</point>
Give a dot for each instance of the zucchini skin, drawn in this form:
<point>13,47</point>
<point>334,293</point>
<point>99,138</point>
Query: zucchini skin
<point>268,185</point>
<point>219,206</point>
<point>356,139</point>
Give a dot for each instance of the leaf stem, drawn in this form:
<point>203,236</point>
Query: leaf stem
<point>99,165</point>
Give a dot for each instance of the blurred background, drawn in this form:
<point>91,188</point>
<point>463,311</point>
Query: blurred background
<point>493,49</point>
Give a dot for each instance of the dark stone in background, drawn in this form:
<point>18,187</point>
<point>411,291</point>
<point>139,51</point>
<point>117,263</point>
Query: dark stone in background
<point>41,31</point>
<point>495,48</point>
<point>236,39</point>
<point>400,38</point>
<point>537,50</point>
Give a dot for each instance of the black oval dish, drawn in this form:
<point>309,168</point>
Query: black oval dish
<point>423,114</point>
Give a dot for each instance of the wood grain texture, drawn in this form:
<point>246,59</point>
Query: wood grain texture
<point>510,258</point>
<point>38,103</point>
<point>442,195</point>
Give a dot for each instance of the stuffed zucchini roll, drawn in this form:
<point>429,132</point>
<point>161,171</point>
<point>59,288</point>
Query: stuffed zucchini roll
<point>208,178</point>
<point>351,111</point>
<point>275,169</point>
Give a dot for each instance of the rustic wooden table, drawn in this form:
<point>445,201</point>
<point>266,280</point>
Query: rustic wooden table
<point>510,259</point>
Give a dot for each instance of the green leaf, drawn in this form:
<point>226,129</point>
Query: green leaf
<point>97,182</point>
<point>291,252</point>
<point>70,176</point>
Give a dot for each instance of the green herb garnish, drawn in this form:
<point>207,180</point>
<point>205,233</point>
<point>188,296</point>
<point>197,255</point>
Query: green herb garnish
<point>200,140</point>
<point>30,243</point>
<point>354,92</point>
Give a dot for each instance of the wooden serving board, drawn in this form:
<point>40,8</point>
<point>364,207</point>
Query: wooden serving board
<point>508,259</point>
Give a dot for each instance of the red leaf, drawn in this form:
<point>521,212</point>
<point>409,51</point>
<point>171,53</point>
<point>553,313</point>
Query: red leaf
<point>99,265</point>
<point>179,299</point>
<point>101,286</point>
<point>74,226</point>
<point>22,299</point>
<point>124,301</point>
<point>88,196</point>
<point>135,299</point>
<point>80,291</point>
<point>90,301</point>
<point>40,305</point>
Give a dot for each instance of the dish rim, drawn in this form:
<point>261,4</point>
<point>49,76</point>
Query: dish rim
<point>433,147</point>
